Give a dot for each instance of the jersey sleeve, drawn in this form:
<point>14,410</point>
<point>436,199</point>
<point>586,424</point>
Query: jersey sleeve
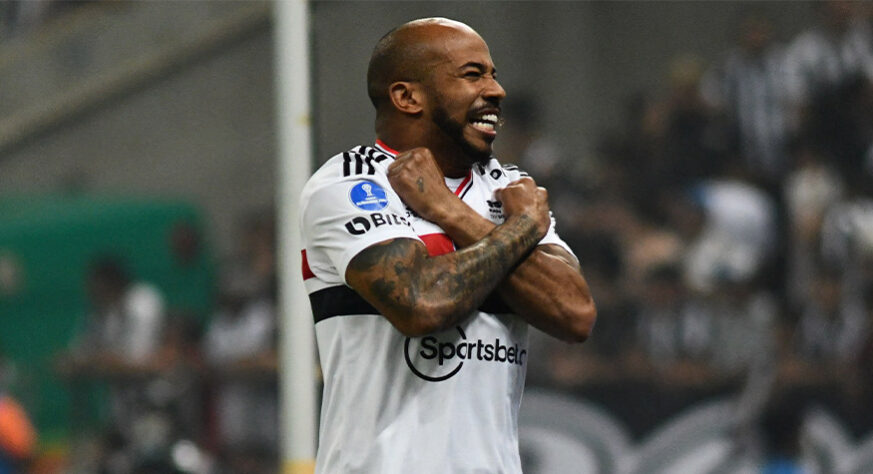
<point>513,173</point>
<point>342,218</point>
<point>552,237</point>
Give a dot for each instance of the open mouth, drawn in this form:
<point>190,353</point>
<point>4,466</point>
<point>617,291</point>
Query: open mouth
<point>486,122</point>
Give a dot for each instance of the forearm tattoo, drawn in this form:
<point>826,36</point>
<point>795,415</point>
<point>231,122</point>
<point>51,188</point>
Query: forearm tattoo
<point>398,276</point>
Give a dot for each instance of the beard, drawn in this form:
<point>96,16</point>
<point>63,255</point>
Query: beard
<point>455,131</point>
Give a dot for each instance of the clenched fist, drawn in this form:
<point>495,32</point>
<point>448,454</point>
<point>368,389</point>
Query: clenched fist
<point>524,197</point>
<point>418,180</point>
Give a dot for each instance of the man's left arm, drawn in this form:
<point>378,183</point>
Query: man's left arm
<point>547,289</point>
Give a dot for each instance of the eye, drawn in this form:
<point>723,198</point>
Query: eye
<point>472,74</point>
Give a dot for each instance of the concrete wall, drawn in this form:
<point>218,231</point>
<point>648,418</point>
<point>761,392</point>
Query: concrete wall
<point>205,133</point>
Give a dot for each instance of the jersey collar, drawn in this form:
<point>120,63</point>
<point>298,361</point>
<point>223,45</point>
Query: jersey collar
<point>385,148</point>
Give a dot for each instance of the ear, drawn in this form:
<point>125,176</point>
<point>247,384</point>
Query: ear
<point>407,97</point>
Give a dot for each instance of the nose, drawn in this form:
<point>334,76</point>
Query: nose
<point>493,90</point>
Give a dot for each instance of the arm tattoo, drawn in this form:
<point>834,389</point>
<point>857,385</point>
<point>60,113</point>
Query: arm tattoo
<point>398,275</point>
<point>385,269</point>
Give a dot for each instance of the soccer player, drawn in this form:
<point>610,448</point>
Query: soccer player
<point>425,260</point>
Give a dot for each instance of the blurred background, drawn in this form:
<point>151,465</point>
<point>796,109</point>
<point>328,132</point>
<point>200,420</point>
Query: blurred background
<point>711,164</point>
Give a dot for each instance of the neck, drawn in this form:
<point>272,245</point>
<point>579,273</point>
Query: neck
<point>453,162</point>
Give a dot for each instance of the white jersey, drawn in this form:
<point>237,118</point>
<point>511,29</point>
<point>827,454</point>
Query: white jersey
<point>443,403</point>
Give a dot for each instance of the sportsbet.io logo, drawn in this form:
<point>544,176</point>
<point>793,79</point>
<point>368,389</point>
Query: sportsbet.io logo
<point>439,357</point>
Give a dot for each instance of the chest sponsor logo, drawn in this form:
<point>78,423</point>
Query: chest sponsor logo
<point>441,356</point>
<point>361,225</point>
<point>368,196</point>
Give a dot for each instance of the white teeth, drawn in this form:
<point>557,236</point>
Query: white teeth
<point>486,122</point>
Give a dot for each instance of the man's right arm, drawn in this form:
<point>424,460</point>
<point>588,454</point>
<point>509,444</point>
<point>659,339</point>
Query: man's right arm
<point>420,294</point>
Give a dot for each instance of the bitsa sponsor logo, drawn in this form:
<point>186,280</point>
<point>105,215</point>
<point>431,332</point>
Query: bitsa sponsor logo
<point>439,357</point>
<point>361,225</point>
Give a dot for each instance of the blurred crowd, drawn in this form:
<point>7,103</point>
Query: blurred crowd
<point>726,229</point>
<point>182,396</point>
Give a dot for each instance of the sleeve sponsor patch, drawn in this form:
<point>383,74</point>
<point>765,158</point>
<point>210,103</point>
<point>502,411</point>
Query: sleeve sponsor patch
<point>368,196</point>
<point>360,225</point>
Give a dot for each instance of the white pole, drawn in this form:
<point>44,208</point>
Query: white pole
<point>296,338</point>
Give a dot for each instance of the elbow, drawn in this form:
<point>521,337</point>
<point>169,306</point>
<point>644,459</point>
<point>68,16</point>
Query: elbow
<point>420,320</point>
<point>581,322</point>
<point>415,328</point>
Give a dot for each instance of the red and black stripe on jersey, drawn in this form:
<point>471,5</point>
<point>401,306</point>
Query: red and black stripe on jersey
<point>341,300</point>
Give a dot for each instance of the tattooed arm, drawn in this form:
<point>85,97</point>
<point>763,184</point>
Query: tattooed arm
<point>546,289</point>
<point>420,294</point>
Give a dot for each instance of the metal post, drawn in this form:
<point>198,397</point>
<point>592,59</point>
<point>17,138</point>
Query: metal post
<point>296,340</point>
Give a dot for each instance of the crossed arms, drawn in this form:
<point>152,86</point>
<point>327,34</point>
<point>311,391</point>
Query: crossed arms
<point>420,294</point>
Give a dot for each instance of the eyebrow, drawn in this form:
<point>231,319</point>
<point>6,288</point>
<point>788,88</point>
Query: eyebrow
<point>479,66</point>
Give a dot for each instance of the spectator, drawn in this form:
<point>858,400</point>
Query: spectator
<point>120,343</point>
<point>829,331</point>
<point>744,320</point>
<point>824,56</point>
<point>240,349</point>
<point>694,141</point>
<point>748,88</point>
<point>828,338</point>
<point>672,333</point>
<point>254,262</point>
<point>126,324</point>
<point>672,142</point>
<point>841,121</point>
<point>809,191</point>
<point>739,234</point>
<point>847,233</point>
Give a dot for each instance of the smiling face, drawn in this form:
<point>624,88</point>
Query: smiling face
<point>434,85</point>
<point>463,93</point>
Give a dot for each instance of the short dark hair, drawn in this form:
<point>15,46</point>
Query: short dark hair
<point>400,56</point>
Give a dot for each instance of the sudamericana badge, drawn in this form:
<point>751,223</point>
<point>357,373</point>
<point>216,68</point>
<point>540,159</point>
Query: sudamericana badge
<point>368,196</point>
